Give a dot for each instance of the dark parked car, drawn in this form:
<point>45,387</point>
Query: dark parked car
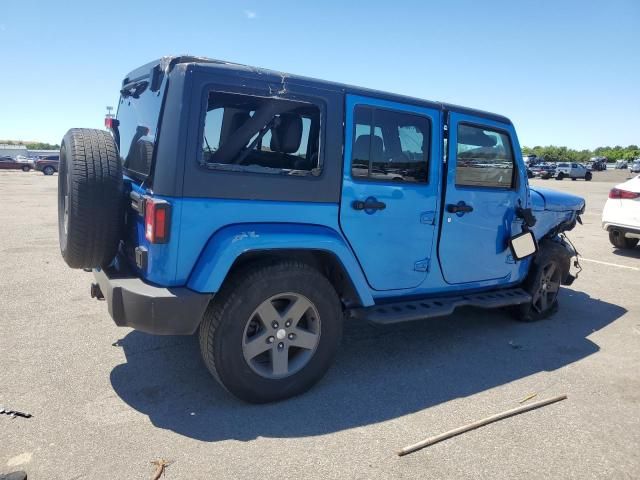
<point>48,164</point>
<point>9,163</point>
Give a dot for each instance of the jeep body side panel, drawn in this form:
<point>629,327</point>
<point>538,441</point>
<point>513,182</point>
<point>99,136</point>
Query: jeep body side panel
<point>229,243</point>
<point>201,182</point>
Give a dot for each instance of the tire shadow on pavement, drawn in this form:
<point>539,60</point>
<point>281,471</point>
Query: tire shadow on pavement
<point>627,252</point>
<point>381,372</point>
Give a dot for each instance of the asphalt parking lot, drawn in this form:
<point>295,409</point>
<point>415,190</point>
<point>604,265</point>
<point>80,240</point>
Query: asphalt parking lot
<point>107,401</point>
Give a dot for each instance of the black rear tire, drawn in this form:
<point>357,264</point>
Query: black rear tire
<point>550,253</point>
<point>223,329</point>
<point>90,198</point>
<point>26,168</point>
<point>618,240</point>
<point>560,176</point>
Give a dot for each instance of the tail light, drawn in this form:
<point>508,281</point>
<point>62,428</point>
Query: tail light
<point>157,216</point>
<point>111,123</point>
<point>623,194</point>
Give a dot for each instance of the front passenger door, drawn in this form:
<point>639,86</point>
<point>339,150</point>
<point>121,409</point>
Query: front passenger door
<point>483,189</point>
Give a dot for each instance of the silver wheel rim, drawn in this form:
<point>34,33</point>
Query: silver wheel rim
<point>281,335</point>
<point>548,288</point>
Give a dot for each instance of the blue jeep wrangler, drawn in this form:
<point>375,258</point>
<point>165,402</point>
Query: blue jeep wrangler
<point>260,209</point>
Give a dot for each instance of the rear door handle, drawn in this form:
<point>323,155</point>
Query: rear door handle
<point>369,205</point>
<point>459,207</point>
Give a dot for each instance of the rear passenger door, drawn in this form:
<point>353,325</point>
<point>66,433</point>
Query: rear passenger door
<point>484,186</point>
<point>390,184</point>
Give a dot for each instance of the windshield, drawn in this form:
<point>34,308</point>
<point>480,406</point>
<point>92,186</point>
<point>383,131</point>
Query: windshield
<point>137,126</point>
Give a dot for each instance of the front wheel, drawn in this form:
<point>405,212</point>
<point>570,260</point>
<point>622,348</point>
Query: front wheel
<point>550,267</point>
<point>560,176</point>
<point>588,176</point>
<point>272,331</point>
<point>25,168</point>
<point>48,170</point>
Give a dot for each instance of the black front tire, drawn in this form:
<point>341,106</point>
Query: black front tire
<point>560,176</point>
<point>26,168</point>
<point>223,329</point>
<point>551,255</point>
<point>618,240</point>
<point>588,176</point>
<point>48,170</point>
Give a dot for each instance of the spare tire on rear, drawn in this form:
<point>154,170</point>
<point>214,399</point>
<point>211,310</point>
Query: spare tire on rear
<point>90,198</point>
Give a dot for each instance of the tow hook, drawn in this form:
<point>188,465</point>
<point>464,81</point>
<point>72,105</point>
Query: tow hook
<point>96,292</point>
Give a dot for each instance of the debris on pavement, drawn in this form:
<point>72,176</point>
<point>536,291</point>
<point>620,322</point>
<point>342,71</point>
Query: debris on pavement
<point>161,464</point>
<point>528,397</point>
<point>14,413</point>
<point>479,423</point>
<point>14,476</point>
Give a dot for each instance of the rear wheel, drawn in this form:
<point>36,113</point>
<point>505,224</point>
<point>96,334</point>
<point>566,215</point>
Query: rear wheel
<point>618,240</point>
<point>90,198</point>
<point>272,331</point>
<point>560,176</point>
<point>550,267</point>
<point>25,168</point>
<point>588,176</point>
<point>48,170</point>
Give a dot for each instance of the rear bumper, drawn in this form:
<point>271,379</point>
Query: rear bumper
<point>161,311</point>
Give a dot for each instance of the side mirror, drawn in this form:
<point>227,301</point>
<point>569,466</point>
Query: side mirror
<point>523,245</point>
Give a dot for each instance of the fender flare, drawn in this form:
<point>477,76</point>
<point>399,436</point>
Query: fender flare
<point>229,243</point>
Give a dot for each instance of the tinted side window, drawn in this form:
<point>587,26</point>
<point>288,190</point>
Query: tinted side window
<point>390,145</point>
<point>257,134</point>
<point>484,158</point>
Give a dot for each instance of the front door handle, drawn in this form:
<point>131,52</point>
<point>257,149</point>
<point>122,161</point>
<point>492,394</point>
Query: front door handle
<point>459,207</point>
<point>369,205</point>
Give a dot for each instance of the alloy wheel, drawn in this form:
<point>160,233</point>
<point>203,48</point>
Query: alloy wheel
<point>281,335</point>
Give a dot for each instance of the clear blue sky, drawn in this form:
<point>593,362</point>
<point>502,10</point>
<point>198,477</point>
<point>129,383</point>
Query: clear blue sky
<point>566,72</point>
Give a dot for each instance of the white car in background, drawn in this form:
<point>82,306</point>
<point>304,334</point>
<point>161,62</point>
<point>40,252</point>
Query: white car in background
<point>621,214</point>
<point>572,171</point>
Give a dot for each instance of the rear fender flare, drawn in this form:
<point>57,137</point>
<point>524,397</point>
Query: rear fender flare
<point>229,243</point>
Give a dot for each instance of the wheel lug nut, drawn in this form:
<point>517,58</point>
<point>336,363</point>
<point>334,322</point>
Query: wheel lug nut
<point>270,340</point>
<point>274,324</point>
<point>287,323</point>
<point>292,336</point>
<point>280,346</point>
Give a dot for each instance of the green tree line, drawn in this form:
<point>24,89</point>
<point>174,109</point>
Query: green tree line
<point>32,145</point>
<point>552,153</point>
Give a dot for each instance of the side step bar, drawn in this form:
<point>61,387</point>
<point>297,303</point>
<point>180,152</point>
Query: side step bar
<point>437,307</point>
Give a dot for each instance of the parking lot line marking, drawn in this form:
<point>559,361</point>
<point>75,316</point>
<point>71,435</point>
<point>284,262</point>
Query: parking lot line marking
<point>610,264</point>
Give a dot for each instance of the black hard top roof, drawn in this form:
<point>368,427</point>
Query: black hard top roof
<point>166,64</point>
